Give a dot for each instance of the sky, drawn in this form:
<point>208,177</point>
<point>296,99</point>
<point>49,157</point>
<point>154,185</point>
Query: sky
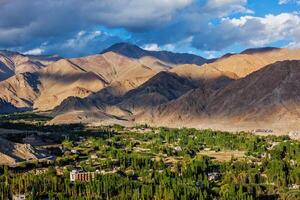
<point>210,28</point>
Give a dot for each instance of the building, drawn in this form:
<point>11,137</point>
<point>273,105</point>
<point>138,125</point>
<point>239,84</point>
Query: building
<point>294,187</point>
<point>74,151</point>
<point>214,176</point>
<point>81,176</point>
<point>19,197</point>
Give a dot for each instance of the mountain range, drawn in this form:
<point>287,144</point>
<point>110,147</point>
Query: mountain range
<point>125,84</point>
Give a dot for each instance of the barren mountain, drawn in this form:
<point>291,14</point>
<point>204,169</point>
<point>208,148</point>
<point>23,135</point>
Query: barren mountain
<point>6,107</point>
<point>63,79</point>
<point>12,63</point>
<point>161,88</point>
<point>150,103</point>
<point>207,76</point>
<point>268,98</point>
<point>20,90</point>
<point>11,153</point>
<point>127,84</point>
<point>165,57</point>
<point>48,87</point>
<point>250,61</point>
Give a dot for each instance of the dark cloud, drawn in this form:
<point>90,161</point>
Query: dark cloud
<point>32,22</point>
<point>71,27</point>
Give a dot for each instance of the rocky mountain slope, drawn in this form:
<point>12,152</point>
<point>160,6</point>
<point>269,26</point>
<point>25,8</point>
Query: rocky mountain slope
<point>161,88</point>
<point>218,97</point>
<point>251,60</point>
<point>12,63</point>
<point>11,153</point>
<point>46,88</point>
<point>268,98</point>
<point>126,84</point>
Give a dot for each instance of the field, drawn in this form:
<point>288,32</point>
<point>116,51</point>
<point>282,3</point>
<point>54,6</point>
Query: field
<point>223,155</point>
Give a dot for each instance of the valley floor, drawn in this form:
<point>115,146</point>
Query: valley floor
<point>143,162</point>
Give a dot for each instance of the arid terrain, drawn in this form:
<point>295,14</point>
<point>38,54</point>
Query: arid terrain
<point>256,89</point>
<point>149,99</point>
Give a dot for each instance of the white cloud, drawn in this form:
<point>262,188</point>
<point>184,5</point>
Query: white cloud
<point>268,29</point>
<point>35,51</point>
<point>151,47</point>
<point>133,14</point>
<point>250,31</point>
<point>293,45</point>
<point>82,39</point>
<point>160,24</point>
<point>211,54</point>
<point>282,2</point>
<point>228,6</point>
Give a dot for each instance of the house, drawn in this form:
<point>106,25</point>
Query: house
<point>294,134</point>
<point>19,197</point>
<point>214,176</point>
<point>94,156</point>
<point>294,187</point>
<point>178,148</point>
<point>74,151</point>
<point>81,176</point>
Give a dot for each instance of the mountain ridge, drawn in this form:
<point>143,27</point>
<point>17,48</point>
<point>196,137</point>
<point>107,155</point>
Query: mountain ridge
<point>113,88</point>
<point>133,51</point>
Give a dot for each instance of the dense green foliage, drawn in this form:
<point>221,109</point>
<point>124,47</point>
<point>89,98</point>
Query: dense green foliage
<point>146,163</point>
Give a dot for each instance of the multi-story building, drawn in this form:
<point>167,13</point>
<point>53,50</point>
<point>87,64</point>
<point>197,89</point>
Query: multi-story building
<point>81,176</point>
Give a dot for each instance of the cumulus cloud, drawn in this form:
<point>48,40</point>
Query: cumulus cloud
<point>133,14</point>
<point>29,23</point>
<point>192,21</point>
<point>81,39</point>
<point>35,51</point>
<point>251,31</point>
<point>45,18</point>
<point>151,47</point>
<point>225,7</point>
<point>282,2</point>
<point>71,27</point>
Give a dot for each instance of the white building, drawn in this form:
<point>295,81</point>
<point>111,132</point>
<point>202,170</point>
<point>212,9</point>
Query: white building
<point>19,197</point>
<point>79,175</point>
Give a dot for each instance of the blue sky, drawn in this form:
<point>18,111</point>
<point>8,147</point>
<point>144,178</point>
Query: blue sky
<point>208,28</point>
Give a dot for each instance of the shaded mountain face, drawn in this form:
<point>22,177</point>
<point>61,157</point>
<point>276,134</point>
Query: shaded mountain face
<point>186,94</point>
<point>12,63</point>
<point>20,90</point>
<point>238,89</point>
<point>6,107</point>
<point>161,88</point>
<point>46,88</point>
<point>11,153</point>
<point>268,98</point>
<point>133,51</point>
<point>271,93</point>
<point>260,50</point>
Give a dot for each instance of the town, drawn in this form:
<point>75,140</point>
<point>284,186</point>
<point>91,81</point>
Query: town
<point>142,162</point>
